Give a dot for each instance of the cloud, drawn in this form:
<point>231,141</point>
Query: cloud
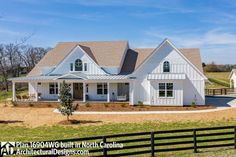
<point>76,15</point>
<point>216,45</point>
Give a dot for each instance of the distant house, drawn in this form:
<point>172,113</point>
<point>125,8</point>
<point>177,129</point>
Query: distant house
<point>232,77</point>
<point>112,71</point>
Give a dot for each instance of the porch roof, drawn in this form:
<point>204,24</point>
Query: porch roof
<point>70,77</point>
<point>33,78</point>
<point>161,76</point>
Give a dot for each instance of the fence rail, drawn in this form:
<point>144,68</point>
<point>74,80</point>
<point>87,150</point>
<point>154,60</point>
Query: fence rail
<point>154,142</point>
<point>220,91</point>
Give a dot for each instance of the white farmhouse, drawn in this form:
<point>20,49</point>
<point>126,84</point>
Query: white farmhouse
<point>112,71</point>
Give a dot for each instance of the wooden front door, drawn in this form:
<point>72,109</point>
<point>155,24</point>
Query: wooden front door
<point>78,91</point>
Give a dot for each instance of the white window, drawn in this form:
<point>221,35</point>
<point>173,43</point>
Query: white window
<point>71,67</point>
<point>85,67</point>
<point>166,90</point>
<point>53,88</point>
<point>101,88</point>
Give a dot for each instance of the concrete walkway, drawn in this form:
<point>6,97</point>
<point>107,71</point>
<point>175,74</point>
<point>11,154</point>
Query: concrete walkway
<point>221,103</point>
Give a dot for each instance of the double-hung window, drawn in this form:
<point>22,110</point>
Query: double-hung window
<point>101,88</point>
<point>53,88</point>
<point>166,90</point>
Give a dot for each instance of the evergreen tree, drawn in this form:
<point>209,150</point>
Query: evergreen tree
<point>66,107</point>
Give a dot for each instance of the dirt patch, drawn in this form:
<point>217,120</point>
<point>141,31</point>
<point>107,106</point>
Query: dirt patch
<point>35,117</point>
<point>126,107</point>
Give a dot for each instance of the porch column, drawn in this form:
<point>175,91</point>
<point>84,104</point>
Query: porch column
<point>131,93</point>
<point>58,88</point>
<point>36,92</point>
<point>84,92</point>
<point>13,91</point>
<point>108,92</point>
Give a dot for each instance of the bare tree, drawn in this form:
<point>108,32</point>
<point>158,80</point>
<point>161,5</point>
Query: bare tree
<point>14,56</point>
<point>3,67</point>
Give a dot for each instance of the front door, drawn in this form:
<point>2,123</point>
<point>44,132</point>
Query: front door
<point>78,91</point>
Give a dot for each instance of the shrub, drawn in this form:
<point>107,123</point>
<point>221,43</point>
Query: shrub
<point>193,104</point>
<point>66,106</point>
<point>31,105</point>
<point>88,104</point>
<point>106,104</point>
<point>140,103</point>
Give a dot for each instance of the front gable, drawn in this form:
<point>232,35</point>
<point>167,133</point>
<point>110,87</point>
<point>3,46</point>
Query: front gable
<point>178,63</point>
<point>65,66</point>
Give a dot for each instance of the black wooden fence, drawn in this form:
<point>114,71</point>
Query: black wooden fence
<point>155,142</point>
<point>220,91</point>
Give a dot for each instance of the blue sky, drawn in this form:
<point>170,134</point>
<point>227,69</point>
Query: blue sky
<point>206,24</point>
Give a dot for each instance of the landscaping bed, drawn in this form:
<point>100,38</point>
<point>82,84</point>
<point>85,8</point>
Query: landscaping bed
<point>126,107</point>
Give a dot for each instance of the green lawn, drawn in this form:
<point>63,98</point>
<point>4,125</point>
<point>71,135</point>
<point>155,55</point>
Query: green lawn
<point>5,95</point>
<point>19,133</point>
<point>218,79</point>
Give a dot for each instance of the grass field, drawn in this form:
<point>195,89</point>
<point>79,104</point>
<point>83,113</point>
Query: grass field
<point>221,79</point>
<point>7,95</point>
<point>17,133</point>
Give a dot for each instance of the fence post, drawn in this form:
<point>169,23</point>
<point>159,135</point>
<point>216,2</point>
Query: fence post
<point>104,149</point>
<point>234,137</point>
<point>194,141</point>
<point>152,144</point>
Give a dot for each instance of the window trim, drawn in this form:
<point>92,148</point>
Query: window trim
<point>103,85</point>
<point>71,67</point>
<point>54,87</point>
<point>85,67</point>
<point>166,64</point>
<point>166,90</point>
<point>78,67</point>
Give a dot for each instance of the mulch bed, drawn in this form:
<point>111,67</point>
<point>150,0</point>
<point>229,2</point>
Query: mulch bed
<point>126,107</point>
<point>36,104</point>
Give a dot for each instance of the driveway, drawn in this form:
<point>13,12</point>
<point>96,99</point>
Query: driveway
<point>221,101</point>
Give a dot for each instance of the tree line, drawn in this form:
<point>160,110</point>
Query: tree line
<point>213,67</point>
<point>17,59</point>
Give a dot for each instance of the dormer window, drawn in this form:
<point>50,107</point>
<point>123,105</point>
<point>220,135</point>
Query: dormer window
<point>78,65</point>
<point>166,66</point>
<point>71,67</point>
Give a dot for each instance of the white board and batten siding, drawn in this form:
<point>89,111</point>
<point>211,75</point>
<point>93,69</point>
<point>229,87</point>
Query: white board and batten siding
<point>77,53</point>
<point>185,91</point>
<point>43,89</point>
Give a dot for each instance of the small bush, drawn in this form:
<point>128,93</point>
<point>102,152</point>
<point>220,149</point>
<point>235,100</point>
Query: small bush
<point>193,104</point>
<point>88,104</point>
<point>31,105</point>
<point>140,103</point>
<point>49,105</point>
<point>106,104</point>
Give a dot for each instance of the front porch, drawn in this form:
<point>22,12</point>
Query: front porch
<point>82,91</point>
